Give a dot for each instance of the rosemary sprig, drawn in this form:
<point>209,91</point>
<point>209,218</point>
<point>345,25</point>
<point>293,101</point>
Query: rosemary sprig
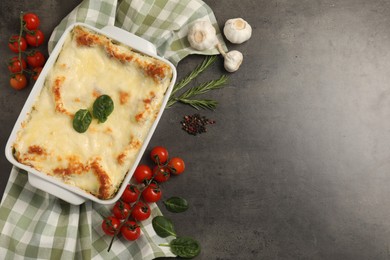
<point>198,90</point>
<point>204,87</point>
<point>200,103</point>
<point>207,62</point>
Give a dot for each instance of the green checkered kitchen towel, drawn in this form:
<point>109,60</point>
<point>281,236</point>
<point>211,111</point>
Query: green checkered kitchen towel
<point>165,23</point>
<point>36,225</point>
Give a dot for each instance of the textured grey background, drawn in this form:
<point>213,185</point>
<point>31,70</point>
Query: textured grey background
<point>297,165</point>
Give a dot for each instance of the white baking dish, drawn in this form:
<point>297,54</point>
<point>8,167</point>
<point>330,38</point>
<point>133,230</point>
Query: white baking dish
<point>54,186</point>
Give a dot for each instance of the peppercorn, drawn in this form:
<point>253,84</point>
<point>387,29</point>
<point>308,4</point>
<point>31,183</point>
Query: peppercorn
<point>195,124</point>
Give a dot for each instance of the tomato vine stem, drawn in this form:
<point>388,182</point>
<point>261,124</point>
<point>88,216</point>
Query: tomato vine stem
<point>23,70</point>
<point>20,42</point>
<point>148,182</point>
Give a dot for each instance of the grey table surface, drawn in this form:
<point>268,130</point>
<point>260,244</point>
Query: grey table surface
<point>297,165</point>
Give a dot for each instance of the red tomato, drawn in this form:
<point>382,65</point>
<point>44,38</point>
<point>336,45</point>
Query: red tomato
<point>14,45</point>
<point>121,210</point>
<point>31,21</point>
<point>130,194</point>
<point>130,230</point>
<point>142,173</point>
<point>35,38</point>
<point>176,165</point>
<point>161,174</point>
<point>36,73</point>
<point>35,59</point>
<point>14,65</point>
<point>152,193</point>
<point>141,211</point>
<point>159,155</point>
<point>110,225</point>
<point>18,81</point>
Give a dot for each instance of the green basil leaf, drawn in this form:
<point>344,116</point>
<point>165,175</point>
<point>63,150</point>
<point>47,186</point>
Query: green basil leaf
<point>81,121</point>
<point>185,247</point>
<point>102,108</point>
<point>176,204</point>
<point>163,226</point>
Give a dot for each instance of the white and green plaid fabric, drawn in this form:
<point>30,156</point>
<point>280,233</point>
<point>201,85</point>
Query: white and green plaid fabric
<point>36,225</point>
<point>165,23</point>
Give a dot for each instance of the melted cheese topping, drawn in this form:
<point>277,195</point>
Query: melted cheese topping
<point>88,66</point>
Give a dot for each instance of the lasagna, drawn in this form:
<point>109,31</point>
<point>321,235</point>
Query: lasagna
<point>88,66</point>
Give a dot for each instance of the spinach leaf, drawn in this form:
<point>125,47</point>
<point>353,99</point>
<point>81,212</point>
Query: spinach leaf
<point>176,204</point>
<point>163,226</point>
<point>81,121</point>
<point>102,108</point>
<point>185,247</point>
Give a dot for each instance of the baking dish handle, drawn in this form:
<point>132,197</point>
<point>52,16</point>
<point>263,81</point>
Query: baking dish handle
<point>130,39</point>
<point>55,190</point>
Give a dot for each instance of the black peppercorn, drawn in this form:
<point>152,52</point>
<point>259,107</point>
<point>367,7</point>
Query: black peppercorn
<point>195,124</point>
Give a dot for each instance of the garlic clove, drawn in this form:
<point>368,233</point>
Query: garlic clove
<point>202,35</point>
<point>237,30</point>
<point>233,60</point>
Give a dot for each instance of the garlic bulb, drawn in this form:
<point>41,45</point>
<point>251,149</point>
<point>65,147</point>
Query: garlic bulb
<point>237,30</point>
<point>202,35</point>
<point>232,59</point>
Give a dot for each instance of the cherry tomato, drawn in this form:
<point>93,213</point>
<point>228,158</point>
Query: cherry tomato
<point>110,225</point>
<point>36,72</point>
<point>14,65</point>
<point>159,155</point>
<point>152,193</point>
<point>141,211</point>
<point>35,38</point>
<point>130,194</point>
<point>14,45</point>
<point>176,165</point>
<point>142,173</point>
<point>161,174</point>
<point>35,59</point>
<point>121,210</point>
<point>130,230</point>
<point>31,21</point>
<point>18,81</point>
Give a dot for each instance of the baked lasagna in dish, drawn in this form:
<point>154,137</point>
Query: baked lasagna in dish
<point>91,65</point>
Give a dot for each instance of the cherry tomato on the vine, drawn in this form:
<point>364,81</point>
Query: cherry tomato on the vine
<point>18,81</point>
<point>176,165</point>
<point>141,211</point>
<point>35,38</point>
<point>130,230</point>
<point>14,65</point>
<point>161,174</point>
<point>13,43</point>
<point>31,21</point>
<point>35,59</point>
<point>36,72</point>
<point>110,225</point>
<point>130,194</point>
<point>152,193</point>
<point>159,155</point>
<point>121,210</point>
<point>142,173</point>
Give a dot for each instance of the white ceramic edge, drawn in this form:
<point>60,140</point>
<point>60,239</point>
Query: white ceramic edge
<point>129,39</point>
<point>51,188</point>
<point>58,187</point>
